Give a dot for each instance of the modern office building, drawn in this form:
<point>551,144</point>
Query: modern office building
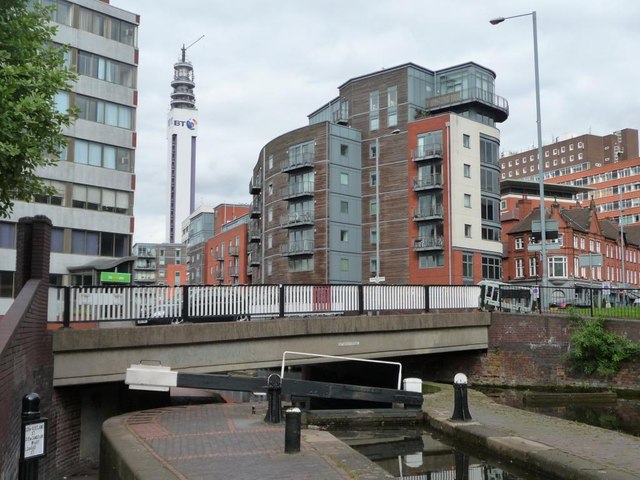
<point>571,154</point>
<point>395,180</point>
<point>182,133</point>
<point>92,211</point>
<point>156,263</point>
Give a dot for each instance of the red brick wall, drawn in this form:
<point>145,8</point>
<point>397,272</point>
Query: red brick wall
<point>528,350</point>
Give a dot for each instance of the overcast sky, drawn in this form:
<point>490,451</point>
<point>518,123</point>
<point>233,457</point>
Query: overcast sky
<point>263,66</point>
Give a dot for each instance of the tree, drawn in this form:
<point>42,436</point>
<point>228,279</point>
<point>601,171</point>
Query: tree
<point>32,72</point>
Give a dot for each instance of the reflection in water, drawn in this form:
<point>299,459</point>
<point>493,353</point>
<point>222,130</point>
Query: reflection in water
<point>622,415</point>
<point>417,454</point>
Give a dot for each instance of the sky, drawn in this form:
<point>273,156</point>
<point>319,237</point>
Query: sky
<point>263,66</point>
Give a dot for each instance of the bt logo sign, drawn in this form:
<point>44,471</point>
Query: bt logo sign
<point>190,124</point>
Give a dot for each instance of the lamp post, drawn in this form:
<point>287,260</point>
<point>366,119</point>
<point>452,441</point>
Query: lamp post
<point>543,230</point>
<point>378,278</point>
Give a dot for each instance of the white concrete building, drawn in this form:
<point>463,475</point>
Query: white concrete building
<point>92,213</point>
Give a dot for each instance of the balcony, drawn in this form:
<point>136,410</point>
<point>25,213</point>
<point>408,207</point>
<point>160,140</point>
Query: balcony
<point>295,162</point>
<point>234,250</point>
<point>233,270</point>
<point>146,253</point>
<point>144,265</point>
<point>433,242</point>
<point>493,105</point>
<point>434,212</point>
<point>427,152</point>
<point>427,182</point>
<point>255,185</point>
<point>295,190</point>
<point>218,274</point>
<point>341,117</point>
<point>255,234</point>
<point>302,247</point>
<point>296,219</point>
<point>256,208</point>
<point>219,256</point>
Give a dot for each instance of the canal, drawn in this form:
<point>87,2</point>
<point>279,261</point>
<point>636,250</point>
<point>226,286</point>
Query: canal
<point>417,454</point>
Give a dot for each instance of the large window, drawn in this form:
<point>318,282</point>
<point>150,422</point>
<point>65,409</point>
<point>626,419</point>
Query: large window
<point>557,266</point>
<point>489,150</point>
<point>101,199</point>
<point>108,27</point>
<point>104,244</point>
<point>301,264</point>
<point>533,266</point>
<point>519,267</point>
<point>430,260</point>
<point>392,106</point>
<point>374,108</point>
<point>467,265</point>
<point>491,268</point>
<point>104,112</point>
<point>99,155</point>
<point>105,69</point>
<point>61,13</point>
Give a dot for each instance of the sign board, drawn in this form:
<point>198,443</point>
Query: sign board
<point>537,247</point>
<point>115,277</point>
<point>34,439</point>
<point>376,279</point>
<point>593,260</point>
<point>550,229</point>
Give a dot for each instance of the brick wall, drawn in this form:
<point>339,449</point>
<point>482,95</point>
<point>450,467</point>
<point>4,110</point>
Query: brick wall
<point>528,350</point>
<point>26,356</point>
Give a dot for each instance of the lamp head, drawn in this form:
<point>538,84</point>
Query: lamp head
<point>395,132</point>
<point>496,21</point>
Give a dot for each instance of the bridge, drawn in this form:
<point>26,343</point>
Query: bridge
<point>99,355</point>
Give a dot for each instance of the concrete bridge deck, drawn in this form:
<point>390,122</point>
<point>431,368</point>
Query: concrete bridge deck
<point>103,354</point>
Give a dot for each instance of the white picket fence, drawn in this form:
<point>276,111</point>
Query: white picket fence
<point>118,303</point>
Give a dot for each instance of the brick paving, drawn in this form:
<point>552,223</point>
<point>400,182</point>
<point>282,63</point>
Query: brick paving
<point>228,441</point>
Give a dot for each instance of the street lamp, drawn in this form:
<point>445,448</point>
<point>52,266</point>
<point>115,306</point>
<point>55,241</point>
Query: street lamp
<point>378,278</point>
<point>543,230</point>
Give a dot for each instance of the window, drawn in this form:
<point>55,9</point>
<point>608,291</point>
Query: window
<point>557,267</point>
<point>519,244</point>
<point>6,284</point>
<point>344,178</point>
<point>105,69</point>
<point>270,162</point>
<point>374,107</point>
<point>7,235</point>
<point>491,268</point>
<point>57,240</point>
<point>580,145</point>
<point>344,264</point>
<point>344,206</point>
<point>62,11</point>
<point>301,264</point>
<point>467,265</point>
<point>372,150</point>
<point>269,267</point>
<point>373,265</point>
<point>344,150</point>
<point>519,270</point>
<point>580,156</point>
<point>270,214</point>
<point>467,230</point>
<point>467,200</point>
<point>344,235</point>
<point>546,154</point>
<point>467,170</point>
<point>373,236</point>
<point>533,266</point>
<point>270,241</point>
<point>571,147</point>
<point>430,260</point>
<point>107,113</point>
<point>270,189</point>
<point>392,106</point>
<point>373,207</point>
<point>372,179</point>
<point>466,140</point>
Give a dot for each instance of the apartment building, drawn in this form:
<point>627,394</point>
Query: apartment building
<point>159,264</point>
<point>92,211</point>
<point>395,180</point>
<point>226,261</point>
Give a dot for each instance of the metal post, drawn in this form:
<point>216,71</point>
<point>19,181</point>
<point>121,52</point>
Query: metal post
<point>460,400</point>
<point>292,428</point>
<point>378,236</point>
<point>274,389</point>
<point>33,443</point>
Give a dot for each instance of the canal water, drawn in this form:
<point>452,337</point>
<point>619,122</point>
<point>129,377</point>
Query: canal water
<point>419,454</point>
<point>618,414</point>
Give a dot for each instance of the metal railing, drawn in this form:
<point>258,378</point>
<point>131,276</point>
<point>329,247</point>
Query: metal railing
<point>155,304</point>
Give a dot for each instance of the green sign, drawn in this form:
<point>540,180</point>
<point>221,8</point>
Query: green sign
<point>114,277</point>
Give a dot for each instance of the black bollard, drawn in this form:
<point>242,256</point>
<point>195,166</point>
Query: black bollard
<point>460,400</point>
<point>293,422</point>
<point>33,443</point>
<point>462,465</point>
<point>274,388</point>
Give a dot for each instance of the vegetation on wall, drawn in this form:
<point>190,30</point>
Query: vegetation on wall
<point>597,350</point>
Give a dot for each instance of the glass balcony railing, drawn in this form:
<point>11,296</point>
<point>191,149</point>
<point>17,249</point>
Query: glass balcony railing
<point>302,160</point>
<point>302,247</point>
<point>496,103</point>
<point>431,242</point>
<point>298,190</point>
<point>297,218</point>
<point>427,182</point>
<point>428,213</point>
<point>426,152</point>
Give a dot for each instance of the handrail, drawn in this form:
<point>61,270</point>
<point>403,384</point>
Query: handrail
<point>284,354</point>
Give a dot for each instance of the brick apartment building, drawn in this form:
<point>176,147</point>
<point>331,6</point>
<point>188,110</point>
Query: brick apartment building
<point>418,146</point>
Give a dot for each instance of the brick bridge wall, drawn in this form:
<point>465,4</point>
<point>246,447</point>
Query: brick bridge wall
<point>528,350</point>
